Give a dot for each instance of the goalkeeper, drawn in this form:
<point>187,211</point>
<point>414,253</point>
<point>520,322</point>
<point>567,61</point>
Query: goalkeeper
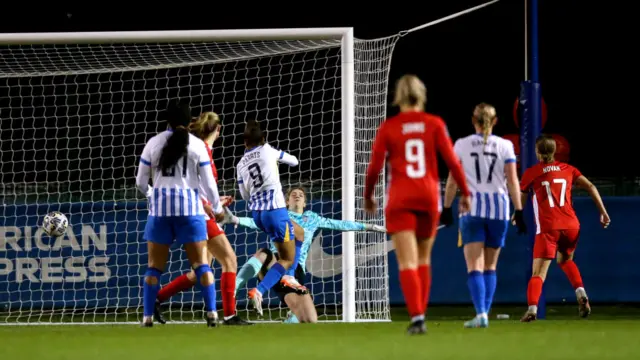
<point>301,305</point>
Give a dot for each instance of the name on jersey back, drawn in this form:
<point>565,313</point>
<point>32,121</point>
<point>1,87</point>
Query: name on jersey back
<point>250,156</point>
<point>491,144</point>
<point>410,128</point>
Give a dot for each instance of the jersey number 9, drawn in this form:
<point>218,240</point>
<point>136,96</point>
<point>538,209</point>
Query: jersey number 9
<point>414,156</point>
<point>172,171</point>
<point>256,175</point>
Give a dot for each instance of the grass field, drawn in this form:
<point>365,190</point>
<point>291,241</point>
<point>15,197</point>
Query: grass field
<point>611,333</point>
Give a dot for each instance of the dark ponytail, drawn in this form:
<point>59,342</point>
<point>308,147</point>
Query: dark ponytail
<point>178,115</point>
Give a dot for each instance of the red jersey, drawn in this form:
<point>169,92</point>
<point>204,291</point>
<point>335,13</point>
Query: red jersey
<point>409,141</point>
<point>551,185</point>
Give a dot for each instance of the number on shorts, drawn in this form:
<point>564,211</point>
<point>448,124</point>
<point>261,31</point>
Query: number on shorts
<point>563,191</point>
<point>256,175</point>
<point>172,171</point>
<point>414,155</point>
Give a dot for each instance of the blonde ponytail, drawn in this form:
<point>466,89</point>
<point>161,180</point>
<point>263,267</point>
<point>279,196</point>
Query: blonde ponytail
<point>484,116</point>
<point>410,92</point>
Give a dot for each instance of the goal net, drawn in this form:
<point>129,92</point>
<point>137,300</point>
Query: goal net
<point>75,118</point>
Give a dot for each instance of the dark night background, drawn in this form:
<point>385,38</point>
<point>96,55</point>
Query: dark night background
<point>586,58</point>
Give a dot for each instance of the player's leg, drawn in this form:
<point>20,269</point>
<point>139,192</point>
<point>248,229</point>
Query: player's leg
<point>280,229</point>
<point>473,233</point>
<point>252,267</point>
<point>192,233</point>
<point>427,228</point>
<point>402,226</point>
<point>302,307</point>
<point>159,236</point>
<point>544,250</point>
<point>566,248</point>
<point>497,234</point>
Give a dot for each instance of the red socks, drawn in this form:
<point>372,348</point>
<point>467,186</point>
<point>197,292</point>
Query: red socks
<point>571,270</point>
<point>534,290</point>
<point>412,290</point>
<point>179,284</point>
<point>424,273</point>
<point>228,290</point>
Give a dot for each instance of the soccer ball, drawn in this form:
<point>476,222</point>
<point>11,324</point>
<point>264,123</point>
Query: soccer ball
<point>55,224</point>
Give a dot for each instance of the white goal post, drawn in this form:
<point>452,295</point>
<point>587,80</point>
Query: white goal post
<point>76,109</point>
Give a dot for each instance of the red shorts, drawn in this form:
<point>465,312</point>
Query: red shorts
<point>424,223</point>
<point>213,229</point>
<point>547,244</point>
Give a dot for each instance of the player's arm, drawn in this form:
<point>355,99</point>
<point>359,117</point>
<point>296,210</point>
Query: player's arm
<point>584,183</point>
<point>207,181</point>
<point>244,192</point>
<point>144,172</point>
<point>343,225</point>
<point>284,157</point>
<point>451,188</point>
<point>378,153</point>
<point>445,148</point>
<point>246,222</point>
<point>511,172</point>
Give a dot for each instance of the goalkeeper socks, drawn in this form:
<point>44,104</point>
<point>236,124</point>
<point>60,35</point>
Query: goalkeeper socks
<point>296,259</point>
<point>228,292</point>
<point>490,282</point>
<point>208,291</point>
<point>571,270</point>
<point>292,319</point>
<point>248,271</point>
<point>412,290</point>
<point>534,290</point>
<point>271,278</point>
<point>475,281</point>
<point>177,285</point>
<point>150,292</point>
<point>424,273</point>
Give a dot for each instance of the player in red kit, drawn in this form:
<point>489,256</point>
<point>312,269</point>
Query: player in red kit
<point>557,226</point>
<point>409,141</point>
<point>207,127</point>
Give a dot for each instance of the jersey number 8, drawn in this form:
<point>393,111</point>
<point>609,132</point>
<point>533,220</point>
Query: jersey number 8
<point>414,155</point>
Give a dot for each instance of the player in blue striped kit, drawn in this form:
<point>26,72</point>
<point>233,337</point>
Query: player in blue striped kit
<point>259,183</point>
<point>489,163</point>
<point>179,165</point>
<point>302,308</point>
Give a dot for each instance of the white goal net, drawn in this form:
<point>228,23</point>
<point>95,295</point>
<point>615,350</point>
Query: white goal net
<point>74,120</point>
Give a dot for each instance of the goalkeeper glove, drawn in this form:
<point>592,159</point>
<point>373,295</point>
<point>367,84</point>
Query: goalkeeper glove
<point>376,228</point>
<point>229,218</point>
<point>518,221</point>
<point>446,217</point>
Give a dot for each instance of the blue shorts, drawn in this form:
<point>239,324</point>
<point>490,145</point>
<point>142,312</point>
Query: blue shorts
<point>490,231</point>
<point>184,229</point>
<point>276,223</point>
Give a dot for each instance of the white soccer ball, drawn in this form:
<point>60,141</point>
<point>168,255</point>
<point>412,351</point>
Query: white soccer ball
<point>55,224</point>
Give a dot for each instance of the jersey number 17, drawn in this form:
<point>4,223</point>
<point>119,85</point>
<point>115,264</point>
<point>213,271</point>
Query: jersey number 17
<point>172,170</point>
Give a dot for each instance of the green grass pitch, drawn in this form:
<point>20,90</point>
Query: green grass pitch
<point>610,334</point>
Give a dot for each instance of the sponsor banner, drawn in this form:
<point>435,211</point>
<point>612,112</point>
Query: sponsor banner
<point>101,259</point>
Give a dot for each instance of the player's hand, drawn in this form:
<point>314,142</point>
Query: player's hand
<point>376,228</point>
<point>370,206</point>
<point>229,218</point>
<point>518,221</point>
<point>209,211</point>
<point>446,217</point>
<point>226,200</point>
<point>605,220</point>
<point>219,217</point>
<point>464,205</point>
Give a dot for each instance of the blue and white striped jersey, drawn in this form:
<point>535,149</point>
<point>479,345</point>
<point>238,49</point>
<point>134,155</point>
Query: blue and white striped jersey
<point>259,179</point>
<point>483,166</point>
<point>175,192</point>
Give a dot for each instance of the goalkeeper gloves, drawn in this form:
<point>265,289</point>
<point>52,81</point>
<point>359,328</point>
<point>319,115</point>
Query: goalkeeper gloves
<point>446,217</point>
<point>229,218</point>
<point>518,221</point>
<point>376,228</point>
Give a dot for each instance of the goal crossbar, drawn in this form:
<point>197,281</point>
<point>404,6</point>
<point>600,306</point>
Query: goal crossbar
<point>174,36</point>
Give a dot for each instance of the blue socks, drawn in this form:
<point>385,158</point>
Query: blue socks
<point>150,292</point>
<point>271,278</point>
<point>296,259</point>
<point>478,291</point>
<point>490,281</point>
<point>208,292</point>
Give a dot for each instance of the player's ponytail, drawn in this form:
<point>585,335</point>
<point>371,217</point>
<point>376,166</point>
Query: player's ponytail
<point>546,148</point>
<point>253,135</point>
<point>484,115</point>
<point>178,116</point>
<point>410,92</point>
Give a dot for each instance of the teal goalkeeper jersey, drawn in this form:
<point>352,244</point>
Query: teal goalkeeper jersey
<point>310,222</point>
